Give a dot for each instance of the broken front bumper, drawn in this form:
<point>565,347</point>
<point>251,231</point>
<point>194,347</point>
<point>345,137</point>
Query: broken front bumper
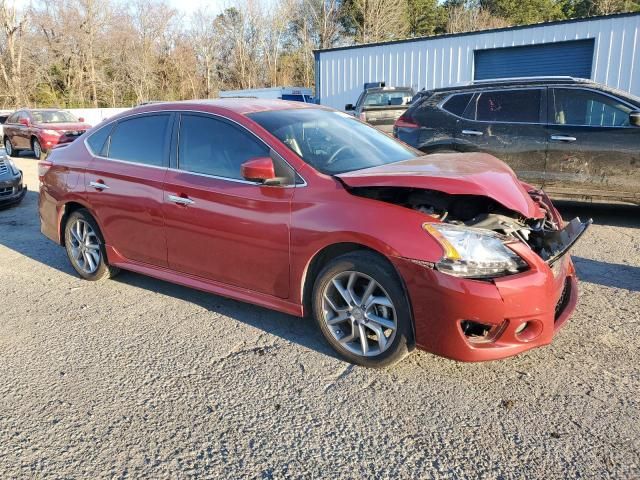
<point>521,311</point>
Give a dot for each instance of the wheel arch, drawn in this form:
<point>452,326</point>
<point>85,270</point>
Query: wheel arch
<point>329,252</point>
<point>66,210</point>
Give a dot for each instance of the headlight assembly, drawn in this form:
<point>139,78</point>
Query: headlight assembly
<point>14,168</point>
<point>473,253</point>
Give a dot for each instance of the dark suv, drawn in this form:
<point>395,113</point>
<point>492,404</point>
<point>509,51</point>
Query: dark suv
<point>574,137</point>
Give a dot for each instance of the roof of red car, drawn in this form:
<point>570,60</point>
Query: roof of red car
<point>242,106</point>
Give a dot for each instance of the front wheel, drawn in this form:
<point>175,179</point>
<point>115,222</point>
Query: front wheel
<point>361,309</point>
<point>37,148</point>
<point>8,147</point>
<point>85,247</point>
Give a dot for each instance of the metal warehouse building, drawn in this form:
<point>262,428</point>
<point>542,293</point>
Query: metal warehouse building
<point>604,49</point>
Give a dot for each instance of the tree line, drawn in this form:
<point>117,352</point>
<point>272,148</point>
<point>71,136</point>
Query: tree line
<point>112,53</point>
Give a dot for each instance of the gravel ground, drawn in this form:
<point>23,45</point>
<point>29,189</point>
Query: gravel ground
<point>135,377</point>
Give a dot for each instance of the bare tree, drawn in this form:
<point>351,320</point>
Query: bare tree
<point>11,52</point>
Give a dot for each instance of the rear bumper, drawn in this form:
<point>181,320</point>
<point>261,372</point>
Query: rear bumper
<point>441,303</point>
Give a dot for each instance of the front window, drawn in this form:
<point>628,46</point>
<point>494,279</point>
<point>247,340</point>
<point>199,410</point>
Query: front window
<point>587,108</point>
<point>52,116</point>
<point>332,142</point>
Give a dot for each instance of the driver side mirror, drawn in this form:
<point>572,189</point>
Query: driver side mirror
<point>634,118</point>
<point>260,170</point>
<point>25,122</point>
<point>81,119</point>
<point>349,107</point>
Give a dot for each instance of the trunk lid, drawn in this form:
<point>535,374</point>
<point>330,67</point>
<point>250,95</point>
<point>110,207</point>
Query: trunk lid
<point>453,173</point>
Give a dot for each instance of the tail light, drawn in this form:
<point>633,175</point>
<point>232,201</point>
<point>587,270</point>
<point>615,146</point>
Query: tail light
<point>43,168</point>
<point>405,121</point>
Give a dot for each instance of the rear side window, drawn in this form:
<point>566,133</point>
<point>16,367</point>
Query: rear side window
<point>517,106</point>
<point>457,104</point>
<point>583,107</point>
<point>97,140</point>
<point>214,147</point>
<point>140,140</point>
<point>13,118</point>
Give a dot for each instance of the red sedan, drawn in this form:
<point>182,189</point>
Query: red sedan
<point>307,210</point>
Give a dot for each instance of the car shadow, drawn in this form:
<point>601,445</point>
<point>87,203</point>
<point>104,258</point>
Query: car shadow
<point>602,213</point>
<point>608,274</point>
<point>20,232</point>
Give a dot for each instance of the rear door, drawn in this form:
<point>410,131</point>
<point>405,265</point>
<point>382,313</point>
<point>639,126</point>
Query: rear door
<point>509,124</point>
<point>124,185</point>
<point>593,149</point>
<point>218,225</point>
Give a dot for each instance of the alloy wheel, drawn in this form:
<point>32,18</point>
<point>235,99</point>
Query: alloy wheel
<point>37,149</point>
<point>8,147</point>
<point>359,313</point>
<point>84,246</point>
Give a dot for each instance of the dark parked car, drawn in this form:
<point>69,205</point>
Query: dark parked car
<point>41,130</point>
<point>12,190</point>
<point>381,106</point>
<point>576,138</point>
<point>303,209</point>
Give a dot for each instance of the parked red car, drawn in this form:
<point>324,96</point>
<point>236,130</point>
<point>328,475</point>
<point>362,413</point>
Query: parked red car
<point>304,209</point>
<point>40,130</point>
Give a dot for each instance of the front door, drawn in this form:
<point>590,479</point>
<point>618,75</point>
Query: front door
<point>593,149</point>
<point>218,225</point>
<point>509,124</point>
<point>125,187</point>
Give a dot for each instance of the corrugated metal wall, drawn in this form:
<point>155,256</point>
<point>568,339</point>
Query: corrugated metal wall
<point>447,60</point>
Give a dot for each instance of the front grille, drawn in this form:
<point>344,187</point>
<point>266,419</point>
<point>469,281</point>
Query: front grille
<point>5,192</point>
<point>4,168</point>
<point>74,133</point>
<point>564,298</point>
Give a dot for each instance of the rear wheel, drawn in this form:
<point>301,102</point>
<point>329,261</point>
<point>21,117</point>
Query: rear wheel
<point>361,309</point>
<point>85,247</point>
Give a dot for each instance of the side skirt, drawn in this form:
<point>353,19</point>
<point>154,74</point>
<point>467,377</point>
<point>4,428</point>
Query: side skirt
<point>205,285</point>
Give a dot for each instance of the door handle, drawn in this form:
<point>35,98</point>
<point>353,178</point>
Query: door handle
<point>563,138</point>
<point>475,133</point>
<point>98,185</point>
<point>180,200</point>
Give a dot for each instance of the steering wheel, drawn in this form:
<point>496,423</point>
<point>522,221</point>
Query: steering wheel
<point>334,155</point>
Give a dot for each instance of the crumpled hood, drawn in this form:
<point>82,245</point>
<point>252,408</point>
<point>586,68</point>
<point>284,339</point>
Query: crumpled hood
<point>453,173</point>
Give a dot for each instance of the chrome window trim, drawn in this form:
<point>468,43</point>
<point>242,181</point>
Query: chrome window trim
<point>137,114</point>
<point>633,107</point>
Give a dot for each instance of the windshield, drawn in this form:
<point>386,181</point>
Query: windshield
<point>52,116</point>
<point>384,99</point>
<point>332,142</point>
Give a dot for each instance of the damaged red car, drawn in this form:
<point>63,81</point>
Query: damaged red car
<point>306,210</point>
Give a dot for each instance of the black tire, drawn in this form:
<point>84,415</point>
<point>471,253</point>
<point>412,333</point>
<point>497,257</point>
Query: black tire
<point>377,268</point>
<point>103,270</point>
<point>37,148</point>
<point>8,147</point>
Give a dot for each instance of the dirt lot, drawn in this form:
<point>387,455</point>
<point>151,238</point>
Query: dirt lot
<point>136,377</point>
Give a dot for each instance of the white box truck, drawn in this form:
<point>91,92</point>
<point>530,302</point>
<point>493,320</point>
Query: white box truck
<point>296,94</point>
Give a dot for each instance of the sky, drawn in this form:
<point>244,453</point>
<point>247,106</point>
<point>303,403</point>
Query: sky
<point>190,6</point>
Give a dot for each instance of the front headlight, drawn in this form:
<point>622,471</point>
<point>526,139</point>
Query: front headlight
<point>55,133</point>
<point>473,253</point>
<point>14,168</point>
